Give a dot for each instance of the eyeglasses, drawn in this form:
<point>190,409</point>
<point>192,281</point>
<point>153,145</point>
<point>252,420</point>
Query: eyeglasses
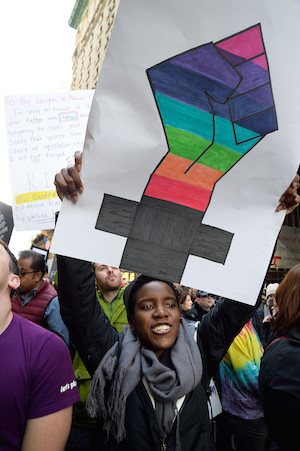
<point>23,273</point>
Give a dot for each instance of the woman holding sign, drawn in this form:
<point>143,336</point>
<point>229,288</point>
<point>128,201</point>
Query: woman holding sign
<point>150,383</point>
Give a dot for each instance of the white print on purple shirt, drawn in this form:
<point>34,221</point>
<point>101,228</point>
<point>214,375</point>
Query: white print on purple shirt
<point>66,387</point>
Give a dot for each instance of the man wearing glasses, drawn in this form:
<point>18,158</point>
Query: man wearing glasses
<point>36,299</point>
<point>203,303</point>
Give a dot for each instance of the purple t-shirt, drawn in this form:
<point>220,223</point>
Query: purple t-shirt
<point>36,378</point>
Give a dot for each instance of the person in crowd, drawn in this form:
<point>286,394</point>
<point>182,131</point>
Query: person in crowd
<point>268,319</point>
<point>37,379</point>
<point>184,297</point>
<point>124,282</point>
<point>84,431</point>
<point>192,292</point>
<point>279,378</point>
<point>156,347</point>
<point>36,299</point>
<point>270,295</point>
<point>185,305</point>
<point>203,303</point>
<point>108,281</point>
<point>141,376</point>
<point>242,409</point>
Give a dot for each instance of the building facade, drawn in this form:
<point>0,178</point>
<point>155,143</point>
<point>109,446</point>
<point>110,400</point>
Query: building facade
<point>93,20</point>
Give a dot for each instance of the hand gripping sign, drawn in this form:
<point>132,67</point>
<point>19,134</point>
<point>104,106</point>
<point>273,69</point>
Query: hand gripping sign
<point>215,103</point>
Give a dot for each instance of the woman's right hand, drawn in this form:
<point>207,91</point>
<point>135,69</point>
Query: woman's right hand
<point>68,182</point>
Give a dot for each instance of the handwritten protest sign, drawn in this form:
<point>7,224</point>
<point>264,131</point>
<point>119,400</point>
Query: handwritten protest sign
<point>6,222</point>
<point>43,132</point>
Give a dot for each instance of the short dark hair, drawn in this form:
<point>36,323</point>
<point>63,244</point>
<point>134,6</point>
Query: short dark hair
<point>37,260</point>
<point>13,263</point>
<point>129,295</point>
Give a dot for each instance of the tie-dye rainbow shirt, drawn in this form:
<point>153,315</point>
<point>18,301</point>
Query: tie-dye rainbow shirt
<point>239,371</point>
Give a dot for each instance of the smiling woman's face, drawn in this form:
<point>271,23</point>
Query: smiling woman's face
<point>156,316</point>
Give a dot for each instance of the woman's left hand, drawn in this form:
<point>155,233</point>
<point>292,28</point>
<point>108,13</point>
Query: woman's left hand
<point>290,199</point>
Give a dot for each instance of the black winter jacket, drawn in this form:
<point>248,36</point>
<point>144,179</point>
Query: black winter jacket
<point>279,384</point>
<point>196,313</point>
<point>93,335</point>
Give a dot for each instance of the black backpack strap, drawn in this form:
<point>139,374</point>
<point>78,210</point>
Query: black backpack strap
<point>283,337</point>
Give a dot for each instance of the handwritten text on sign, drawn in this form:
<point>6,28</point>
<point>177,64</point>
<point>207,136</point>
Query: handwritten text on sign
<point>43,132</point>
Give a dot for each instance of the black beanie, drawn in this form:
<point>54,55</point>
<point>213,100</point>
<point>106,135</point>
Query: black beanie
<point>135,285</point>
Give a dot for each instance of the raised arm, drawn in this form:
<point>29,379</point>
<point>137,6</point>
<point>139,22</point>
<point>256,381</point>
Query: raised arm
<point>217,331</point>
<point>89,327</point>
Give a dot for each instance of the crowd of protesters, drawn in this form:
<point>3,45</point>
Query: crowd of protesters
<point>143,358</point>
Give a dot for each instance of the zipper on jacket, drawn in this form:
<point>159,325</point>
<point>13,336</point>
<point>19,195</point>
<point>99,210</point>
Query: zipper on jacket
<point>163,445</point>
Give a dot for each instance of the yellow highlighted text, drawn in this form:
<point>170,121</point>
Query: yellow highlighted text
<point>34,196</point>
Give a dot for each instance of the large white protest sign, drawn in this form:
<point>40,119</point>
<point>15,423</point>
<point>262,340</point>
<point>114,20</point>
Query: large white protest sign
<point>191,140</point>
<point>43,132</point>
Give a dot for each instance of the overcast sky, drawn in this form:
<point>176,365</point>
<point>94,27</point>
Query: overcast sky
<point>37,45</point>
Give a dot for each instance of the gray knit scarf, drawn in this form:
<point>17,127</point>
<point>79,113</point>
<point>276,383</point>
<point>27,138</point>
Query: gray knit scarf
<point>122,374</point>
